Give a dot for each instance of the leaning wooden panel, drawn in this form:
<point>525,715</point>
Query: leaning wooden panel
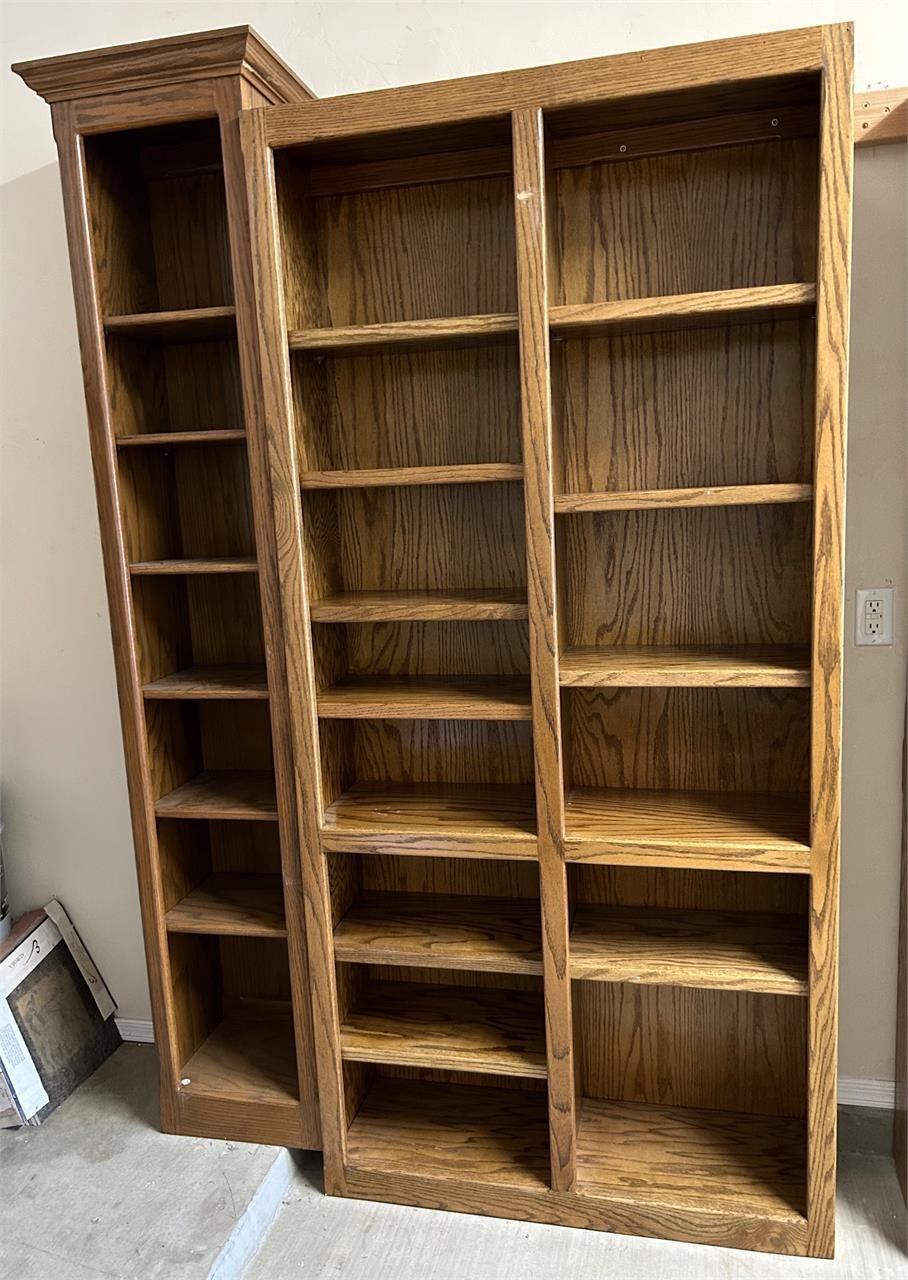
<point>836,162</point>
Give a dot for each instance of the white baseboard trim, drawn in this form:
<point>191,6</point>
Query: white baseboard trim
<point>856,1092</point>
<point>135,1030</point>
<point>853,1090</point>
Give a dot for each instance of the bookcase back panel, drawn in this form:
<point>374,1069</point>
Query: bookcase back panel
<point>185,738</point>
<point>200,620</point>
<point>686,223</point>
<point>692,407</point>
<point>405,874</point>
<point>710,576</point>
<point>426,648</point>
<point>686,1047</point>
<point>192,851</point>
<point>427,751</point>
<point>685,890</point>
<point>159,218</point>
<point>188,386</point>
<point>419,538</point>
<point>367,242</point>
<point>408,409</point>
<point>738,740</point>
<point>162,514</point>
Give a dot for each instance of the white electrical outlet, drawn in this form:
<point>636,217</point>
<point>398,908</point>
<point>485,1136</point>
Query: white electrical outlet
<point>873,616</point>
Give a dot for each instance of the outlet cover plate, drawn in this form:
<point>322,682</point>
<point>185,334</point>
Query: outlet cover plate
<point>873,616</point>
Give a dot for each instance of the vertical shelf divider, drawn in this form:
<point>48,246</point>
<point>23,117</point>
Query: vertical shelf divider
<point>283,477</point>
<point>831,405</point>
<point>536,417</point>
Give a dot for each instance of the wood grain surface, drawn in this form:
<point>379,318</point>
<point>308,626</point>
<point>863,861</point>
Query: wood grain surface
<point>472,820</point>
<point>455,1028</point>
<point>224,794</point>
<point>247,905</point>
<point>427,698</point>
<point>717,950</point>
<point>730,405</point>
<point>621,579</point>
<point>750,666</point>
<point>210,682</point>
<point>501,935</point>
<point>400,410</point>
<point>751,1166</point>
<point>250,1054</point>
<point>483,1136</point>
<point>455,604</point>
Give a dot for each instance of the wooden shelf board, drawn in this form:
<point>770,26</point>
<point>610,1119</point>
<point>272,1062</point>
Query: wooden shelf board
<point>455,1133</point>
<point>450,331</point>
<point>679,1159</point>
<point>727,495</point>
<point>718,950</point>
<point>249,1057</point>
<point>392,477</point>
<point>476,821</point>
<point>420,1024</point>
<point>721,306</point>
<point>428,698</point>
<point>456,605</point>
<point>250,906</point>
<point>175,326</point>
<point>231,794</point>
<point>442,931</point>
<point>200,683</point>
<point>747,666</point>
<point>771,830</point>
<point>196,564</point>
<point>172,439</point>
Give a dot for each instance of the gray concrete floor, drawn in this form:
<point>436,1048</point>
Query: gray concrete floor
<point>314,1238</point>
<point>98,1191</point>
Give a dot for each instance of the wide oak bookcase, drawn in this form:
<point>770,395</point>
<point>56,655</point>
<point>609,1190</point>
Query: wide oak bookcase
<point>148,140</point>
<point>545,378</point>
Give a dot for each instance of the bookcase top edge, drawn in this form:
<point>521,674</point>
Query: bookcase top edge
<point>227,51</point>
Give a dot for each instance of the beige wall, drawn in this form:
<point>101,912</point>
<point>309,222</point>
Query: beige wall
<point>64,799</point>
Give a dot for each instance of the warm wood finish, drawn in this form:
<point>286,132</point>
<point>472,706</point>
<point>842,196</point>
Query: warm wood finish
<point>836,165</point>
<point>496,935</point>
<point>427,698</point>
<point>677,1159</point>
<point>650,314</point>
<point>749,666</point>
<point>225,794</point>
<point>474,821</point>
<point>477,1136</point>
<point>456,605</point>
<point>734,951</point>
<point>609,281</point>
<point>730,495</point>
<point>378,477</point>
<point>154,198</point>
<point>688,827</point>
<point>880,116</point>
<point>172,439</point>
<point>210,682</point>
<point>410,335</point>
<point>248,905</point>
<point>452,1028</point>
<point>175,326</point>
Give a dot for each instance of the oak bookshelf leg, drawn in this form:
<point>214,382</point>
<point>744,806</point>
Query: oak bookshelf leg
<point>536,414</point>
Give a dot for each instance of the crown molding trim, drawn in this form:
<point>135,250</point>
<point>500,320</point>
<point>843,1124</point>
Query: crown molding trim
<point>201,55</point>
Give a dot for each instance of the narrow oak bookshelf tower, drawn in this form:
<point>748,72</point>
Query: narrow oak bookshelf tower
<point>554,369</point>
<point>153,188</point>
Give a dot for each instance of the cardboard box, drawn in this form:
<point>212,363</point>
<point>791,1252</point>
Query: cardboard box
<point>56,1016</point>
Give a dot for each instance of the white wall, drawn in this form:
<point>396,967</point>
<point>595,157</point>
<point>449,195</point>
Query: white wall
<point>64,798</point>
